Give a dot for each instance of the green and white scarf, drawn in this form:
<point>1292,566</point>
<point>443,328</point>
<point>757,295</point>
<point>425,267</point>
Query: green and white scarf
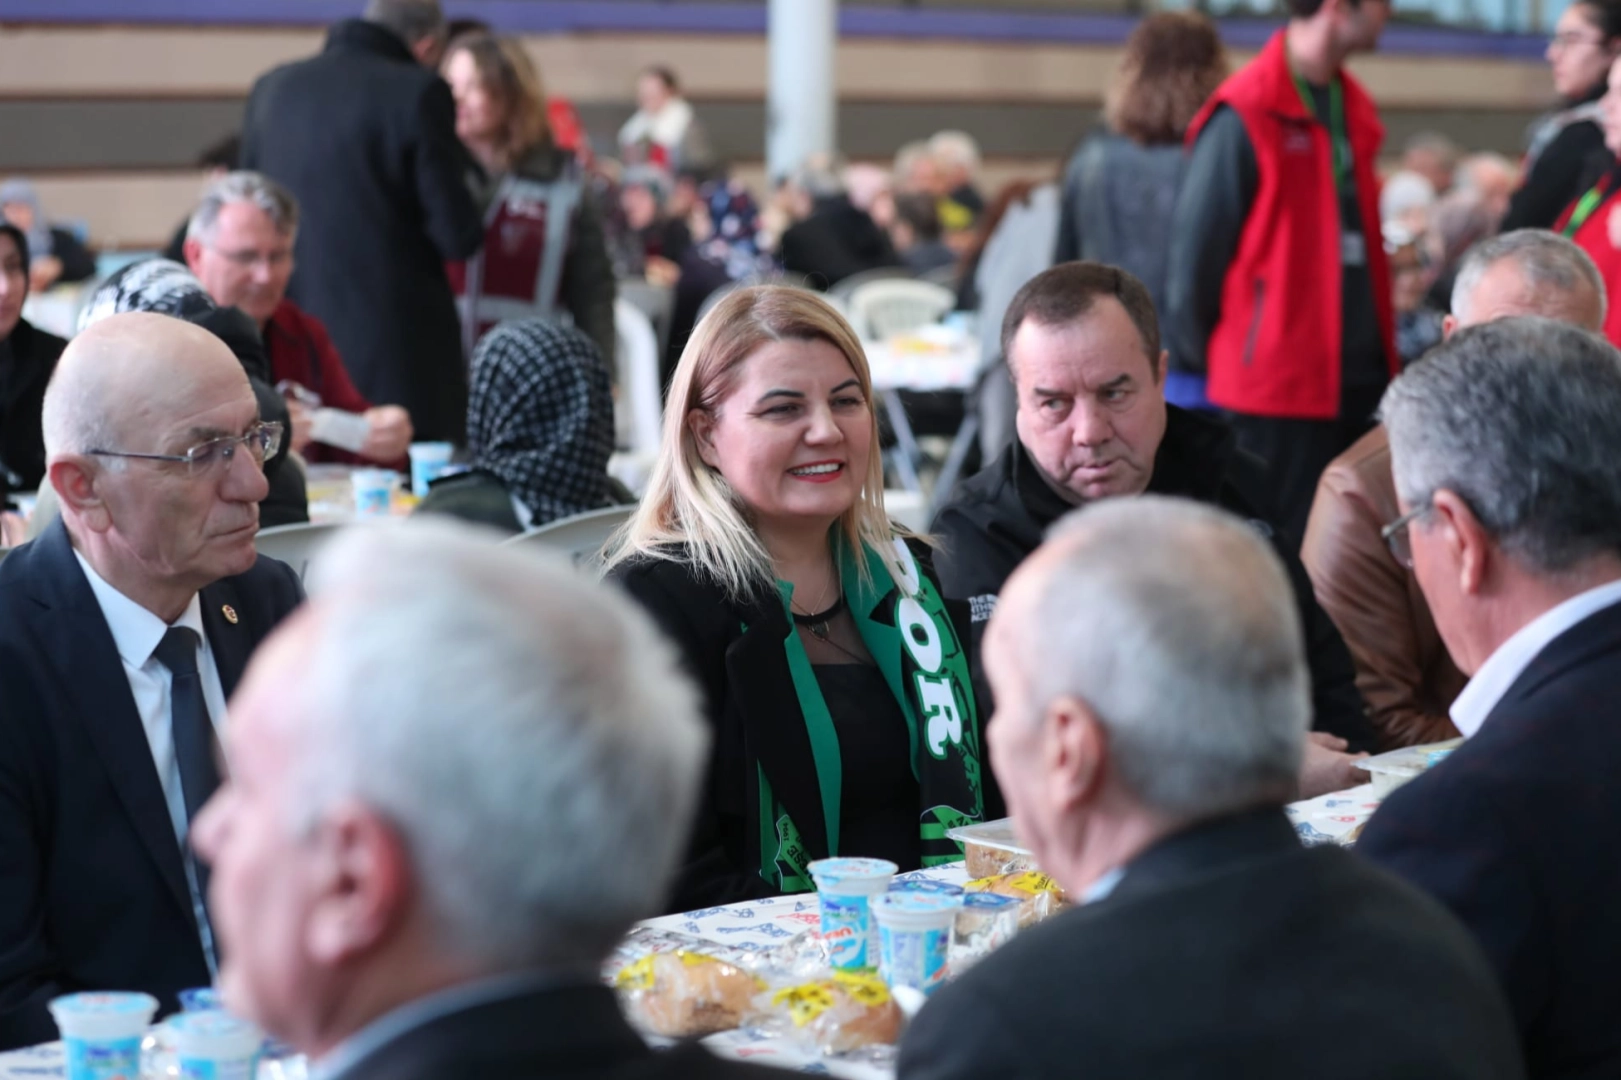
<point>910,637</point>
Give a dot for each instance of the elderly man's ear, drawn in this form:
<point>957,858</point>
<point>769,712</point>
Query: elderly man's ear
<point>1073,745</point>
<point>77,481</point>
<point>361,875</point>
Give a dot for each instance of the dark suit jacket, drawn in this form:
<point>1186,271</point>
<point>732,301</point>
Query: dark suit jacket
<point>574,1032</point>
<point>92,887</point>
<point>366,138</point>
<point>1228,950</point>
<point>836,241</point>
<point>755,720</point>
<point>1519,833</point>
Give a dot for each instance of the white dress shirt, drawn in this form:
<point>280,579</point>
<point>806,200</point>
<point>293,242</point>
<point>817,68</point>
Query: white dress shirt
<point>137,632</point>
<point>1505,666</point>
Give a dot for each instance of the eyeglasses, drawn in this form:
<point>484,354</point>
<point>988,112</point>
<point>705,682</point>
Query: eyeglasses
<point>1571,41</point>
<point>247,260</point>
<point>262,441</point>
<point>1398,537</point>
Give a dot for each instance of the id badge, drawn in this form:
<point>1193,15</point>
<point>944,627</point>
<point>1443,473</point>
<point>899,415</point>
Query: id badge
<point>1353,249</point>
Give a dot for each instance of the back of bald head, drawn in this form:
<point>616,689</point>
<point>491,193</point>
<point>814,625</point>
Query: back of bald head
<point>121,367</point>
<point>1176,624</point>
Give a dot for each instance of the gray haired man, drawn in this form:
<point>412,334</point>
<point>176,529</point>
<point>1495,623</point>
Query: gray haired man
<point>458,777</point>
<point>1152,703</point>
<point>1505,443</point>
<point>1403,669</point>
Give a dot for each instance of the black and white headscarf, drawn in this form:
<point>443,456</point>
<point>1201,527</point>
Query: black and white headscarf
<point>149,285</point>
<point>540,416</point>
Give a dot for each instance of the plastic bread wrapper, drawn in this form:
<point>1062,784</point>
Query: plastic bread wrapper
<point>992,849</point>
<point>846,1013</point>
<point>1039,896</point>
<point>682,987</point>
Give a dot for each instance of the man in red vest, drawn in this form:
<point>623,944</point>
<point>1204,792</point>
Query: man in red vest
<point>1278,290</point>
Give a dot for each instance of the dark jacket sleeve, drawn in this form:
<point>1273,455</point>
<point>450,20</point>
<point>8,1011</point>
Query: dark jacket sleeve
<point>961,1034</point>
<point>1068,246</point>
<point>29,973</point>
<point>78,261</point>
<point>710,873</point>
<point>1336,703</point>
<point>453,221</point>
<point>588,278</point>
<point>1555,180</point>
<point>1211,210</point>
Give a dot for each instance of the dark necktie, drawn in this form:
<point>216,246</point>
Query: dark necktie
<point>188,711</point>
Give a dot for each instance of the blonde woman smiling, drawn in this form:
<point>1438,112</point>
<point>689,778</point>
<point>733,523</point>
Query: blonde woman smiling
<point>837,680</point>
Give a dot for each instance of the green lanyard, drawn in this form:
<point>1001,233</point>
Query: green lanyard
<point>1585,207</point>
<point>1336,125</point>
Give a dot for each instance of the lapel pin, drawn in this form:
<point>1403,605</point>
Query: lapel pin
<point>230,613</point>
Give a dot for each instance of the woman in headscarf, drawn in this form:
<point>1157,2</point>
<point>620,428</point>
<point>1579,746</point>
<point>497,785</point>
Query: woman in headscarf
<point>55,255</point>
<point>27,357</point>
<point>540,429</point>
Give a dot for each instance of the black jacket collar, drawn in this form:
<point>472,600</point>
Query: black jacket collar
<point>1193,462</point>
<point>358,35</point>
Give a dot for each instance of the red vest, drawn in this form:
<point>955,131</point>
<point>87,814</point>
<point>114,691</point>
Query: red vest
<point>1276,349</point>
<point>1594,238</point>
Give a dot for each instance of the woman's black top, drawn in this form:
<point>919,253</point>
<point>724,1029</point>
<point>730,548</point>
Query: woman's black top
<point>28,356</point>
<point>878,816</point>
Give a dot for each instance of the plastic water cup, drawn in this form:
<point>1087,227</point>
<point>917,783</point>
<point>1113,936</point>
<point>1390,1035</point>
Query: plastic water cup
<point>215,1045</point>
<point>428,460</point>
<point>374,489</point>
<point>914,937</point>
<point>843,888</point>
<point>926,885</point>
<point>102,1032</point>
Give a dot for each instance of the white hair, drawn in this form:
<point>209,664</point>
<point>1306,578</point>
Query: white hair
<point>525,729</point>
<point>1404,192</point>
<point>1176,624</point>
<point>275,201</point>
<point>955,148</point>
<point>1555,271</point>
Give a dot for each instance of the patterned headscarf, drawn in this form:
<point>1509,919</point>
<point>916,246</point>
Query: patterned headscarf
<point>540,416</point>
<point>149,285</point>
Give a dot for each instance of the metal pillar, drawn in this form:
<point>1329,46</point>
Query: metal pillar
<point>802,96</point>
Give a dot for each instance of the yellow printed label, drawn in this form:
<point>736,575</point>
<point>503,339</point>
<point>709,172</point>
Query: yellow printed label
<point>1030,882</point>
<point>637,975</point>
<point>805,1003</point>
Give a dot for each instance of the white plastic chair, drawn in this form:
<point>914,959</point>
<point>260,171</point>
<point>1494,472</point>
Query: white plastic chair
<point>580,536</point>
<point>882,309</point>
<point>638,413</point>
<point>297,544</point>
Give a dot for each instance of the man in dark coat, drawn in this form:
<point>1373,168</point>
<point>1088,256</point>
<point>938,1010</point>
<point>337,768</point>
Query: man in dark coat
<point>1151,710</point>
<point>832,239</point>
<point>364,135</point>
<point>123,629</point>
<point>1082,344</point>
<point>1503,444</point>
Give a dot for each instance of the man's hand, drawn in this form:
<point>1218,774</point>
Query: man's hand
<point>1326,767</point>
<point>13,529</point>
<point>303,419</point>
<point>390,435</point>
<point>661,271</point>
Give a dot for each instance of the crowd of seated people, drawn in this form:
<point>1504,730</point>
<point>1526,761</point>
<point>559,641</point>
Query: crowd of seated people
<point>1291,468</point>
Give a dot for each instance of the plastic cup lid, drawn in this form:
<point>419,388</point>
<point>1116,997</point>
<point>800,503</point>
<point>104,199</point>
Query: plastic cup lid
<point>989,901</point>
<point>216,1034</point>
<point>831,873</point>
<point>915,910</point>
<point>925,885</point>
<point>103,1014</point>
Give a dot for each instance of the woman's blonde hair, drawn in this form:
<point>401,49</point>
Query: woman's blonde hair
<point>510,77</point>
<point>690,512</point>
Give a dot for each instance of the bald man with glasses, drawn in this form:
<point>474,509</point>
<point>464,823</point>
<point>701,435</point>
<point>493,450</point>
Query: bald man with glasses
<point>123,630</point>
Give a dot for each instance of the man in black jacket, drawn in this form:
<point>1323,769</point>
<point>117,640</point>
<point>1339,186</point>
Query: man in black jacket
<point>1082,344</point>
<point>1151,710</point>
<point>1503,444</point>
<point>365,136</point>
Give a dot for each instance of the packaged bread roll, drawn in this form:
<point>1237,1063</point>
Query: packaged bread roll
<point>1039,896</point>
<point>686,994</point>
<point>844,1012</point>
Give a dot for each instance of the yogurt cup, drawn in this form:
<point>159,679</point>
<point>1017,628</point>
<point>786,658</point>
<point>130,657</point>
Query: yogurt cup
<point>215,1045</point>
<point>200,999</point>
<point>914,937</point>
<point>926,886</point>
<point>374,489</point>
<point>102,1033</point>
<point>428,460</point>
<point>843,887</point>
<point>986,922</point>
